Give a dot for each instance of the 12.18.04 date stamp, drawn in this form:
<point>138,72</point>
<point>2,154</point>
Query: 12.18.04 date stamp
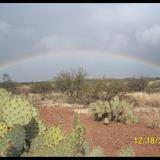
<point>147,140</point>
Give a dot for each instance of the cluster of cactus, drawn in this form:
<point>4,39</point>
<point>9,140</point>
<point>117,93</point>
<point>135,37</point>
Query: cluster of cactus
<point>115,110</point>
<point>53,142</point>
<point>22,133</point>
<point>126,152</point>
<point>19,124</point>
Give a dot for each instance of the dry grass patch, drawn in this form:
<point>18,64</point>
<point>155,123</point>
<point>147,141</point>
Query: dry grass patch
<point>145,99</point>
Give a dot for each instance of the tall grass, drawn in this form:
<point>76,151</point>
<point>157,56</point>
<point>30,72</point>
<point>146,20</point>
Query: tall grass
<point>145,99</point>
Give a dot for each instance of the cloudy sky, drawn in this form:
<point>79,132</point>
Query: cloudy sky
<point>116,40</point>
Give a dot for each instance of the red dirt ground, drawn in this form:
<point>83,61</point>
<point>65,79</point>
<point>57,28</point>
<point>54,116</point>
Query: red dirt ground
<point>110,137</point>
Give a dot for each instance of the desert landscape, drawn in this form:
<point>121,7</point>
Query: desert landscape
<point>79,80</point>
<point>134,113</point>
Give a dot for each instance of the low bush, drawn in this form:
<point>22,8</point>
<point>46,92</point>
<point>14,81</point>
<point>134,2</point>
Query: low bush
<point>117,110</point>
<point>42,87</point>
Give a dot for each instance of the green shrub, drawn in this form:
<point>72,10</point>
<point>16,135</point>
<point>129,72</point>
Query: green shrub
<point>117,110</point>
<point>70,83</point>
<point>42,87</point>
<point>137,84</point>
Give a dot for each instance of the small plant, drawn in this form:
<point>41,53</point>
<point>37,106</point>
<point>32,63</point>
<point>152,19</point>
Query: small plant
<point>126,152</point>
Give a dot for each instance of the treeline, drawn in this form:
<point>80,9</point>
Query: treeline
<point>81,89</point>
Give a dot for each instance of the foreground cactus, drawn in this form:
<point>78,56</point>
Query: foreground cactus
<point>31,129</point>
<point>13,142</point>
<point>52,136</point>
<point>3,129</point>
<point>17,110</point>
<point>4,96</point>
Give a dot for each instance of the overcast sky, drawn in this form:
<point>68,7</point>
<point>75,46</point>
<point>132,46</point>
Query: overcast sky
<point>30,30</point>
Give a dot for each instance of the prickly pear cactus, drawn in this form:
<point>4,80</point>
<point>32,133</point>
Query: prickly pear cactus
<point>17,110</point>
<point>76,139</point>
<point>98,108</point>
<point>31,129</point>
<point>4,96</point>
<point>70,146</point>
<point>16,136</point>
<point>52,136</point>
<point>34,112</point>
<point>3,129</point>
<point>13,142</point>
<point>117,110</point>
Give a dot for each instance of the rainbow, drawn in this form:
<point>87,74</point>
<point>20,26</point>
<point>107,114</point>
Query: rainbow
<point>30,57</point>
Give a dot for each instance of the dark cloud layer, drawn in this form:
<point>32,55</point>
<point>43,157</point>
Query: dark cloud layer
<point>133,29</point>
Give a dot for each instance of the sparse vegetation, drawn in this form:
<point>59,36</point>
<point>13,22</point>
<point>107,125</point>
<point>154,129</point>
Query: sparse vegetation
<point>137,84</point>
<point>42,87</point>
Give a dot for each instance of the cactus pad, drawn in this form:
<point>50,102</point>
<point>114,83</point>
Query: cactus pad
<point>17,111</point>
<point>52,136</point>
<point>3,128</point>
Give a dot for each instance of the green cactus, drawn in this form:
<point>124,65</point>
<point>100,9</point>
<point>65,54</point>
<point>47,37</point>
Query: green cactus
<point>126,152</point>
<point>13,142</point>
<point>17,111</point>
<point>17,137</point>
<point>71,145</point>
<point>32,129</point>
<point>4,96</point>
<point>98,108</point>
<point>76,139</point>
<point>34,112</point>
<point>3,129</point>
<point>117,110</point>
<point>52,136</point>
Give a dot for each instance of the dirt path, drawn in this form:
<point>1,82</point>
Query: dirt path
<point>110,137</point>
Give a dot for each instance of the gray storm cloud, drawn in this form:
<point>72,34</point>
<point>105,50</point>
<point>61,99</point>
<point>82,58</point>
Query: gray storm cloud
<point>27,29</point>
